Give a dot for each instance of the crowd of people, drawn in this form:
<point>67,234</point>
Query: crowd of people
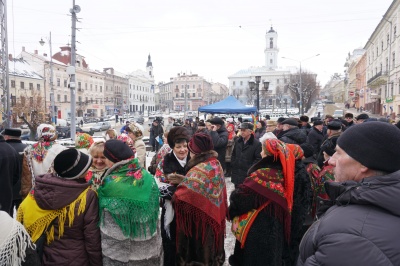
<point>320,192</point>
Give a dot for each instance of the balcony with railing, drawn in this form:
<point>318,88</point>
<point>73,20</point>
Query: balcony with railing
<point>379,79</point>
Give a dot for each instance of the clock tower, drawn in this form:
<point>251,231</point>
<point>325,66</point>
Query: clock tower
<point>271,49</point>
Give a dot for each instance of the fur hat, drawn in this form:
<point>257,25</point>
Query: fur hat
<point>200,142</point>
<point>271,123</point>
<point>115,150</point>
<point>348,115</point>
<point>304,118</point>
<point>71,163</point>
<point>362,116</point>
<point>373,138</point>
<point>177,133</point>
<point>135,130</point>
<point>290,121</point>
<point>217,121</point>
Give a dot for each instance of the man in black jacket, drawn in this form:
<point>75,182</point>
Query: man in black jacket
<point>315,137</point>
<point>292,134</point>
<point>219,136</point>
<point>246,152</point>
<point>359,224</point>
<point>9,169</point>
<point>13,137</point>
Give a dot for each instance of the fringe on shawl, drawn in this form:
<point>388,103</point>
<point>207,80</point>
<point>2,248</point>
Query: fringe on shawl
<point>274,210</point>
<point>40,224</point>
<point>133,217</point>
<point>13,250</point>
<point>188,216</point>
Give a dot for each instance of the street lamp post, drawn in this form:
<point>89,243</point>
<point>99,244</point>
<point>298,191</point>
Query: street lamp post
<point>52,103</point>
<point>299,89</point>
<point>255,86</point>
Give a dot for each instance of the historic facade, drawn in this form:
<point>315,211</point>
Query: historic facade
<point>278,77</point>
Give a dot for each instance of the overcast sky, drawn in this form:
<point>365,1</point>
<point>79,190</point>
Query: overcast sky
<point>212,38</point>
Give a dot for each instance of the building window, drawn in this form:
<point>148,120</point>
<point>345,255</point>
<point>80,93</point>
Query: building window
<point>241,83</point>
<point>394,60</point>
<point>199,94</point>
<point>65,98</point>
<point>38,87</point>
<point>387,64</point>
<point>388,42</point>
<point>233,83</point>
<point>101,101</point>
<point>85,86</point>
<point>182,95</point>
<point>95,87</point>
<point>177,95</point>
<point>101,88</point>
<point>277,81</point>
<point>12,83</point>
<point>91,86</point>
<point>65,83</point>
<point>270,61</point>
<point>79,85</point>
<point>58,82</point>
<point>22,85</point>
<point>194,94</point>
<point>394,32</point>
<point>58,98</point>
<point>31,86</point>
<point>377,53</point>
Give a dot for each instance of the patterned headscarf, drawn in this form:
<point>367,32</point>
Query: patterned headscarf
<point>127,140</point>
<point>287,154</point>
<point>83,141</point>
<point>135,130</point>
<point>46,132</point>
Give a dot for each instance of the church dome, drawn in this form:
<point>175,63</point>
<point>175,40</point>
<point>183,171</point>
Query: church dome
<point>271,30</point>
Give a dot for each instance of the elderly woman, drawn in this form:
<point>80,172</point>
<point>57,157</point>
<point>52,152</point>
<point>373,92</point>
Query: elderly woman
<point>164,150</point>
<point>201,207</point>
<point>129,210</point>
<point>269,208</point>
<point>260,129</point>
<point>170,169</point>
<point>39,157</point>
<point>136,134</point>
<point>63,210</point>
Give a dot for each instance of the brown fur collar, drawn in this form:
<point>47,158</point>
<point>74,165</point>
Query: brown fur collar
<point>199,158</point>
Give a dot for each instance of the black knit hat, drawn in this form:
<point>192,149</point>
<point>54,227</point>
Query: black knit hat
<point>177,133</point>
<point>374,145</point>
<point>71,163</point>
<point>115,150</point>
<point>290,121</point>
<point>308,149</point>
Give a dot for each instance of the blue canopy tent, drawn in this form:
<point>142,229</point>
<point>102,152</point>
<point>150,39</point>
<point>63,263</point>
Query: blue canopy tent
<point>229,105</point>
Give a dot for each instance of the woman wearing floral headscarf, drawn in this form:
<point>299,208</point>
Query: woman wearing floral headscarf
<point>83,142</point>
<point>38,158</point>
<point>136,134</point>
<point>269,208</point>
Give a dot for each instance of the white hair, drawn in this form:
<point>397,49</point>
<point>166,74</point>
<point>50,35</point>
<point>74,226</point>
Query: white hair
<point>268,135</point>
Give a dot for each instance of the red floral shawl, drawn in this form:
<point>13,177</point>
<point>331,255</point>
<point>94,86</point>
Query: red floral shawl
<point>201,200</point>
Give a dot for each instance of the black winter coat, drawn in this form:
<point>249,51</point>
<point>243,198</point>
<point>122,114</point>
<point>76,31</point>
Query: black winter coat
<point>315,138</point>
<point>19,147</point>
<point>9,174</point>
<point>294,136</point>
<point>220,141</point>
<point>265,244</point>
<point>243,157</point>
<point>361,227</point>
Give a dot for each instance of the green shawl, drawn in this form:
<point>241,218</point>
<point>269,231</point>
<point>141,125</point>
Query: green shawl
<point>130,194</point>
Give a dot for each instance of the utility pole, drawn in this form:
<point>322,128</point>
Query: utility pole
<point>75,9</point>
<point>301,94</point>
<point>5,99</point>
<point>52,103</point>
<point>185,114</point>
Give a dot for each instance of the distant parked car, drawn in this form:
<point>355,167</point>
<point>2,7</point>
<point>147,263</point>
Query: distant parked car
<point>65,132</point>
<point>25,134</point>
<point>139,120</point>
<point>101,126</point>
<point>338,113</point>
